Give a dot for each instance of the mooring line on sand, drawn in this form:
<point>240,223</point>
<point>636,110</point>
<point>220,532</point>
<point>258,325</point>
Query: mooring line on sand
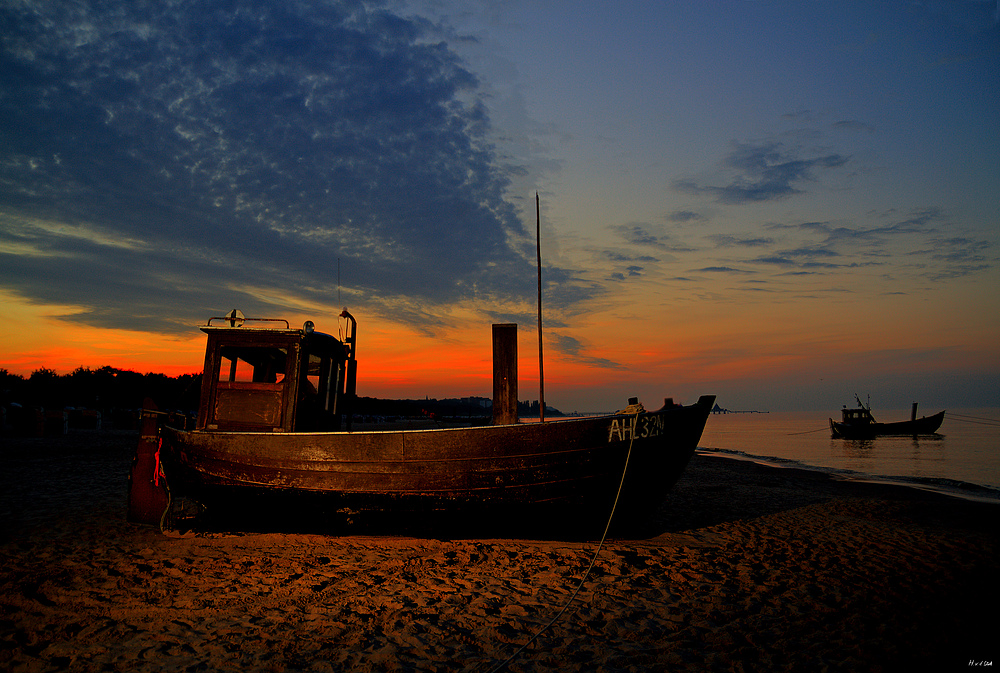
<point>586,574</point>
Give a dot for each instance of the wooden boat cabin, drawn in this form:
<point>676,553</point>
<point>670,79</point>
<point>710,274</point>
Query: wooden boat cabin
<point>276,379</point>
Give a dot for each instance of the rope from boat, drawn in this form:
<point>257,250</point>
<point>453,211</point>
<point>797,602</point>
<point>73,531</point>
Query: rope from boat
<point>166,510</point>
<point>158,472</point>
<point>978,420</point>
<point>586,574</point>
<point>808,432</point>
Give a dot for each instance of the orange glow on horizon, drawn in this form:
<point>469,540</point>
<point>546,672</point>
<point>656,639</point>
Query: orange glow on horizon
<point>615,357</point>
<point>37,338</point>
<point>157,356</point>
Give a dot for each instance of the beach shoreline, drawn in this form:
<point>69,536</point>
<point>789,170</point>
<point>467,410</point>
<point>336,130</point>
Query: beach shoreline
<point>937,485</point>
<point>744,567</point>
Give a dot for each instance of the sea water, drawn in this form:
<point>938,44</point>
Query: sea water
<point>962,458</point>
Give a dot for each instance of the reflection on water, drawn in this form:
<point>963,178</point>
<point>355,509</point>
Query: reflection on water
<point>853,448</point>
<point>901,456</point>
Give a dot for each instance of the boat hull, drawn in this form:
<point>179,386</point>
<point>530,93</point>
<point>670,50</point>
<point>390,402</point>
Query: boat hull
<point>926,425</point>
<point>575,463</point>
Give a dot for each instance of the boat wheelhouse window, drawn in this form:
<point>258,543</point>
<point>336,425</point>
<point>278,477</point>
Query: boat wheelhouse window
<point>318,398</point>
<point>249,387</point>
<point>252,364</point>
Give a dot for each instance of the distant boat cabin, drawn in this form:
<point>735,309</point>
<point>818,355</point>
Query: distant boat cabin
<point>857,416</point>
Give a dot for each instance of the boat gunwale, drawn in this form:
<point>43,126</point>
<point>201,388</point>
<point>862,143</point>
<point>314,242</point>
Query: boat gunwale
<point>464,428</point>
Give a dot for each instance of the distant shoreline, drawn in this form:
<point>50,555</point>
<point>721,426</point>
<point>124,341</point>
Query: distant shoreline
<point>947,487</point>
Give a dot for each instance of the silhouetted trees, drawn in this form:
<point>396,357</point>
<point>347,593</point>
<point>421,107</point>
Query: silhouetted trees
<point>104,389</point>
<point>118,393</point>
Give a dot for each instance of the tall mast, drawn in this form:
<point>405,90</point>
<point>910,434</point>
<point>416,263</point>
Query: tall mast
<point>538,249</point>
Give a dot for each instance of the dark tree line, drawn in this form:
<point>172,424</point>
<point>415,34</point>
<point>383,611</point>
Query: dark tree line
<point>111,390</point>
<point>104,389</point>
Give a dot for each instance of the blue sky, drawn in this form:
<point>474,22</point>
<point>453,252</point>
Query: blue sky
<point>777,202</point>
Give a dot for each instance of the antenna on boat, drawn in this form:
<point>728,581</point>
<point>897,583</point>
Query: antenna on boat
<point>538,249</point>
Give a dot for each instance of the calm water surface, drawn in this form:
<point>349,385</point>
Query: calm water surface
<point>963,456</point>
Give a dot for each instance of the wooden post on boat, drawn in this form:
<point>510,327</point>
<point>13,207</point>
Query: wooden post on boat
<point>505,374</point>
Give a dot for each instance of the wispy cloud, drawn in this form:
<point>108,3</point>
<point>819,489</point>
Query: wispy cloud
<point>765,171</point>
<point>730,241</point>
<point>918,235</point>
<point>685,216</point>
<point>629,272</point>
<point>955,257</point>
<point>616,256</point>
<point>853,125</point>
<point>572,349</point>
<point>723,269</point>
<point>639,234</point>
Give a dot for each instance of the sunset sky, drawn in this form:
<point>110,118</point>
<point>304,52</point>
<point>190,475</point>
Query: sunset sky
<point>780,203</point>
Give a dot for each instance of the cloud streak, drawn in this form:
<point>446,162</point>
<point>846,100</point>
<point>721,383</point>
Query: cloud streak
<point>766,171</point>
<point>922,239</point>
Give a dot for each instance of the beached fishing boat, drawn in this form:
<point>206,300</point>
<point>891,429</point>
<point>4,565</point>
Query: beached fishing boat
<point>859,423</point>
<point>274,430</point>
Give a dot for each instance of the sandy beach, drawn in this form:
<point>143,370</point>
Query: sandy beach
<point>744,568</point>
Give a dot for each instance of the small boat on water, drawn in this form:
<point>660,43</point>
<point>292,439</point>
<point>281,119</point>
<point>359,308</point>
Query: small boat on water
<point>859,423</point>
<point>274,434</point>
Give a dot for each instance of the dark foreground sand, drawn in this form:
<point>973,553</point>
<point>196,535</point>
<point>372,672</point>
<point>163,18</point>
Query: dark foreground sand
<point>747,568</point>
